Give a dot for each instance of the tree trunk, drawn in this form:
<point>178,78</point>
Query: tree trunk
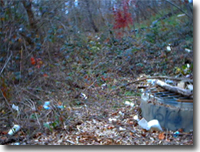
<point>90,17</point>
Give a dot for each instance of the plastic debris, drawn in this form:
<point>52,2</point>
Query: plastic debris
<point>129,104</point>
<point>190,87</point>
<point>152,81</point>
<point>168,48</point>
<point>16,143</point>
<point>136,118</point>
<point>121,113</point>
<point>187,50</point>
<point>103,86</point>
<point>112,119</point>
<point>15,107</point>
<point>169,81</point>
<point>152,125</point>
<point>14,129</point>
<point>83,96</point>
<point>176,134</point>
<point>46,105</point>
<point>145,96</point>
<point>180,15</point>
<point>121,129</point>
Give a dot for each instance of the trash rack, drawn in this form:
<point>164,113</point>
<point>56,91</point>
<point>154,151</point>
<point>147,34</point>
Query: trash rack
<point>173,111</point>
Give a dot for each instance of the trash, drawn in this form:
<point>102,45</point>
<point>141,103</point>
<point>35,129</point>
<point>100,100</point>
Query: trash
<point>152,81</point>
<point>14,129</point>
<point>181,85</point>
<point>121,113</point>
<point>190,87</point>
<point>169,81</point>
<point>145,96</point>
<point>112,119</point>
<point>121,129</point>
<point>168,48</point>
<point>176,134</point>
<point>180,15</point>
<point>129,104</point>
<point>187,50</point>
<point>152,125</point>
<point>136,118</point>
<point>83,96</point>
<point>16,143</point>
<point>15,108</point>
<point>46,105</point>
<point>103,86</point>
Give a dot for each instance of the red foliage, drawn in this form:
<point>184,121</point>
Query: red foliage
<point>122,16</point>
<point>33,62</point>
<point>37,62</point>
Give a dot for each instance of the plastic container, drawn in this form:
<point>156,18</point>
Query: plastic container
<point>14,129</point>
<point>171,114</point>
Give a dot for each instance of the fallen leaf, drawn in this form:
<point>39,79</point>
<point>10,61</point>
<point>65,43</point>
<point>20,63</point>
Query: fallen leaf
<point>161,136</point>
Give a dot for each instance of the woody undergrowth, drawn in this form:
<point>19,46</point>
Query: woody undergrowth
<point>60,72</point>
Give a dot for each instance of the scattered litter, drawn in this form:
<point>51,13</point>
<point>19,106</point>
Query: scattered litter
<point>121,129</point>
<point>190,87</point>
<point>15,107</point>
<point>129,104</point>
<point>103,86</point>
<point>168,48</point>
<point>181,85</point>
<point>121,113</point>
<point>14,129</point>
<point>46,105</point>
<point>16,143</point>
<point>145,96</point>
<point>169,81</point>
<point>136,118</point>
<point>60,107</point>
<point>152,81</point>
<point>176,134</point>
<point>187,50</point>
<point>112,119</point>
<point>152,125</point>
<point>84,96</point>
<point>180,15</point>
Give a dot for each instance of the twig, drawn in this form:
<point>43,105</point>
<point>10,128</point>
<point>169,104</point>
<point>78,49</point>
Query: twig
<point>6,63</point>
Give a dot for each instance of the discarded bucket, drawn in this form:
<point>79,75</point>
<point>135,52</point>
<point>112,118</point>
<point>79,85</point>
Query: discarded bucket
<point>170,113</point>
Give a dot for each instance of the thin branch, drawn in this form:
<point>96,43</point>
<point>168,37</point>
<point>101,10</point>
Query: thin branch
<point>6,63</point>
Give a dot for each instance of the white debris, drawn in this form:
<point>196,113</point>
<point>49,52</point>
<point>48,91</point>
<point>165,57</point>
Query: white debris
<point>121,113</point>
<point>103,86</point>
<point>181,85</point>
<point>151,81</point>
<point>136,118</point>
<point>112,119</point>
<point>190,87</point>
<point>121,129</point>
<point>180,15</point>
<point>15,108</point>
<point>152,125</point>
<point>14,129</point>
<point>46,105</point>
<point>129,104</point>
<point>187,50</point>
<point>168,48</point>
<point>84,96</point>
<point>145,96</point>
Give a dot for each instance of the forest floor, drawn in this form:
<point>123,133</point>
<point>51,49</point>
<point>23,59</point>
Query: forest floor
<point>86,93</point>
